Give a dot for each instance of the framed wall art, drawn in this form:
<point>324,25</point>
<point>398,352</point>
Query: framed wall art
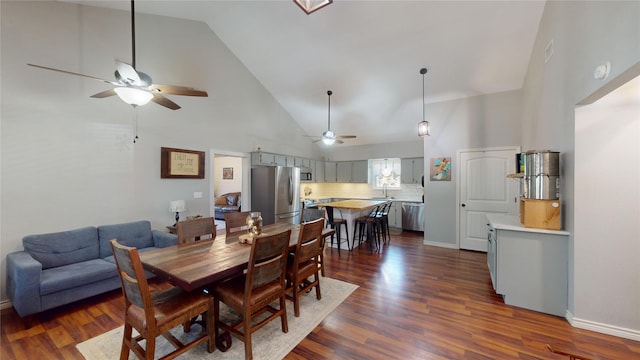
<point>181,164</point>
<point>440,169</point>
<point>227,173</point>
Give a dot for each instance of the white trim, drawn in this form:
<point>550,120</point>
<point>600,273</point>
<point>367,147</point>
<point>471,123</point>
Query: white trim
<point>5,304</point>
<point>603,328</point>
<point>441,245</point>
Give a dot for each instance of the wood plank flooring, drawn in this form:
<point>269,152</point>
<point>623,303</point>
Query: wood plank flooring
<point>413,302</point>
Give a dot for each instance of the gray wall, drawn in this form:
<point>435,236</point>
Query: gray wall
<point>476,122</point>
<point>585,35</point>
<point>68,160</point>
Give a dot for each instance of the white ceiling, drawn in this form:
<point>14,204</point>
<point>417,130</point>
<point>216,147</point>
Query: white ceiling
<point>369,53</point>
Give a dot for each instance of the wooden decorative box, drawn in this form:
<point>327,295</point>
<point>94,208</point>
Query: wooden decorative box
<point>540,214</point>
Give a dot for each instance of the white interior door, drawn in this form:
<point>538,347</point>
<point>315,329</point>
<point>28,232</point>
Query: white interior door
<point>484,189</point>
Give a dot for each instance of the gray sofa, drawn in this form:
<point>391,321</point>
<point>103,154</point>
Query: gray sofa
<point>59,268</point>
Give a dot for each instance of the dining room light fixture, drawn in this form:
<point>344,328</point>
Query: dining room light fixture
<point>309,6</point>
<point>424,128</point>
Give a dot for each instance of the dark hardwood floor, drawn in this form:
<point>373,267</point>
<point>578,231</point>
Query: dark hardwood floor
<point>413,302</point>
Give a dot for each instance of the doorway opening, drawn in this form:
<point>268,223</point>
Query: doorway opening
<point>229,176</point>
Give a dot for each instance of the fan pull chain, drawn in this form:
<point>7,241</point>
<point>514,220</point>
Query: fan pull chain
<point>135,125</point>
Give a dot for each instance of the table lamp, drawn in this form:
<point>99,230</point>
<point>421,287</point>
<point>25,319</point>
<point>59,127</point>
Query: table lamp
<point>177,206</point>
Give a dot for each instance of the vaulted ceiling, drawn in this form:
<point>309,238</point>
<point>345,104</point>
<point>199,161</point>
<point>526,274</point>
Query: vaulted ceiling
<point>369,53</point>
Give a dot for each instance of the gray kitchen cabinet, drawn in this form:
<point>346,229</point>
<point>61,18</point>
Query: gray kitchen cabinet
<point>330,172</point>
<point>318,175</point>
<point>528,266</point>
<point>360,171</point>
<point>261,158</point>
<point>352,171</point>
<point>412,170</point>
<point>302,163</point>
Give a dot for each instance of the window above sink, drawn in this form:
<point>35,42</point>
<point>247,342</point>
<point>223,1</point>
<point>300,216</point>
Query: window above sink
<point>385,173</point>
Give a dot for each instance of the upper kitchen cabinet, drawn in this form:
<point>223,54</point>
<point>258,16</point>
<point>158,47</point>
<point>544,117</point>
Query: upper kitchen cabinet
<point>302,163</point>
<point>318,175</point>
<point>412,170</point>
<point>352,171</point>
<point>268,159</point>
<point>330,172</point>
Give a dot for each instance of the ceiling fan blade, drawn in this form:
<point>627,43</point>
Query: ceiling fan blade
<point>104,94</point>
<point>179,90</point>
<point>161,100</point>
<point>346,137</point>
<point>73,73</point>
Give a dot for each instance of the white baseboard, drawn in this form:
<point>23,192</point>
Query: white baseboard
<point>442,245</point>
<point>603,328</point>
<point>5,304</point>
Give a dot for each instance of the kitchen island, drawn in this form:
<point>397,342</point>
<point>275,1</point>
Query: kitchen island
<point>350,210</point>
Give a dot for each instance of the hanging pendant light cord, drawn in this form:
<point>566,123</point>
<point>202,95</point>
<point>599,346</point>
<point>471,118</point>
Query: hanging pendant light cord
<point>423,71</point>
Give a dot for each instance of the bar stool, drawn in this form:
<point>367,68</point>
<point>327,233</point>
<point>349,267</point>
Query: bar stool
<point>336,223</point>
<point>383,217</point>
<point>371,224</point>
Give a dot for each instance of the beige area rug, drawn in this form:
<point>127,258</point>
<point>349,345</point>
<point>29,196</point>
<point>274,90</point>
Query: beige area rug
<point>268,343</point>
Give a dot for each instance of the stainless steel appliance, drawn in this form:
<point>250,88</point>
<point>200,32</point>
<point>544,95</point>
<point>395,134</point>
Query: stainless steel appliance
<point>412,216</point>
<point>275,192</point>
<point>305,174</point>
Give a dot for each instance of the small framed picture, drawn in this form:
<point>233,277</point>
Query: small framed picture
<point>227,173</point>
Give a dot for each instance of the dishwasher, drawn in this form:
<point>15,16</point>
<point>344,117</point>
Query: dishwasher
<point>412,216</point>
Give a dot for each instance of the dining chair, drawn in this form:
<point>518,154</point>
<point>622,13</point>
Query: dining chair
<point>369,225</point>
<point>311,214</point>
<point>154,313</point>
<point>305,263</point>
<point>336,223</point>
<point>194,230</point>
<point>235,222</point>
<point>251,294</point>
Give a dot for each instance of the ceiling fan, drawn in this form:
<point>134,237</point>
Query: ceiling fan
<point>135,87</point>
<point>329,137</point>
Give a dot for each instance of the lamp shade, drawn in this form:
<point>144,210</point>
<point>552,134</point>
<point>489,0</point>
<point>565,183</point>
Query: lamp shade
<point>133,96</point>
<point>177,206</point>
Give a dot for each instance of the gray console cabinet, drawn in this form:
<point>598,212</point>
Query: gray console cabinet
<point>528,267</point>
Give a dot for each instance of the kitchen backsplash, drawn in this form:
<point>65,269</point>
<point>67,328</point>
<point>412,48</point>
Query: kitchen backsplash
<point>346,190</point>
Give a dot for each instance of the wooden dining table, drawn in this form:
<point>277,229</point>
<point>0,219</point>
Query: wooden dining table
<point>193,265</point>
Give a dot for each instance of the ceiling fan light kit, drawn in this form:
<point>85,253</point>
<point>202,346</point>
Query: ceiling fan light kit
<point>424,128</point>
<point>133,96</point>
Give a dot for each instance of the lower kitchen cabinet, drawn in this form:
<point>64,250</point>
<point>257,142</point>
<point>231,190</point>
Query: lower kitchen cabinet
<point>395,215</point>
<point>528,267</point>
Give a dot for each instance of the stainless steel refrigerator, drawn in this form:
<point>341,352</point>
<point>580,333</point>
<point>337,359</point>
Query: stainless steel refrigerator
<point>275,192</point>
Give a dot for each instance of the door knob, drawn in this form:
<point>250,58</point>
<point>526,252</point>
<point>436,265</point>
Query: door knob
<point>463,205</point>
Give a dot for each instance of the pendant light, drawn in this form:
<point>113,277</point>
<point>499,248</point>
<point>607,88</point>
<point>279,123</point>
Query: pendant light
<point>309,6</point>
<point>424,128</point>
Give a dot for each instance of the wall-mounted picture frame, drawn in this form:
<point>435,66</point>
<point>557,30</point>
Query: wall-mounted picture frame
<point>181,164</point>
<point>227,173</point>
<point>440,169</point>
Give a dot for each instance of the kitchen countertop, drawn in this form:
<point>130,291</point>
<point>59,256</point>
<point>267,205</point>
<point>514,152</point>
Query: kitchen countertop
<point>508,222</point>
<point>318,198</point>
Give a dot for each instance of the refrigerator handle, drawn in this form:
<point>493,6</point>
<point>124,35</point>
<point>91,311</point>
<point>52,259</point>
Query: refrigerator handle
<point>290,190</point>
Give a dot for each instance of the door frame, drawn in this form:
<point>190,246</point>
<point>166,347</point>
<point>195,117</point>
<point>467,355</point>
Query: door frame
<point>246,174</point>
<point>459,152</point>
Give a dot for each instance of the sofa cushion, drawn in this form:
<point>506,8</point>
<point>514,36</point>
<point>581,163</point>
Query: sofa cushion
<point>76,275</point>
<point>232,198</point>
<point>63,248</point>
<point>136,234</point>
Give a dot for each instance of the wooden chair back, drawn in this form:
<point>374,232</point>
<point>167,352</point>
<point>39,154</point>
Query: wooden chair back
<point>267,261</point>
<point>135,288</point>
<point>194,230</point>
<point>235,222</point>
<point>305,263</point>
<point>310,214</point>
